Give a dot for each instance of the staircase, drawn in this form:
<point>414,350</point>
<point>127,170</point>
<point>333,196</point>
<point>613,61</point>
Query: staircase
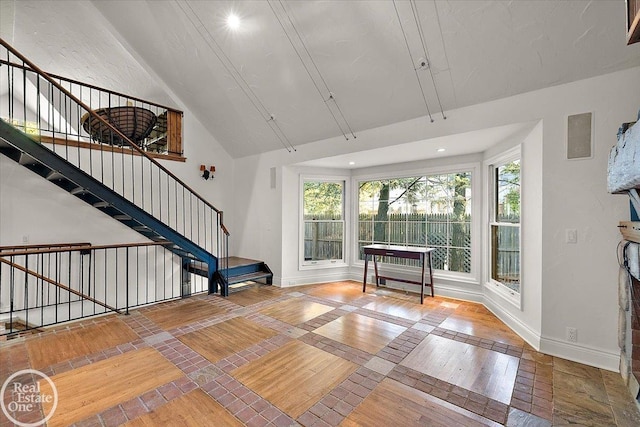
<point>35,156</point>
<point>121,181</point>
<point>240,274</point>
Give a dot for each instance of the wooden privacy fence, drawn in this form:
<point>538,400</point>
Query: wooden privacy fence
<point>450,235</point>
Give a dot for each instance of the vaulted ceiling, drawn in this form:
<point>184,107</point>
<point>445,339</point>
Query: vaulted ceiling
<point>476,51</point>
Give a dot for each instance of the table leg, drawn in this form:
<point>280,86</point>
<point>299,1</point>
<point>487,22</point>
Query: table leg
<point>364,281</point>
<point>430,274</point>
<point>375,267</point>
<point>422,280</point>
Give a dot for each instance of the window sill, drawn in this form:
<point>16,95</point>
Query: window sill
<point>323,264</point>
<point>504,293</point>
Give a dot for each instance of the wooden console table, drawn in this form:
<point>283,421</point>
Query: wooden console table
<point>406,252</point>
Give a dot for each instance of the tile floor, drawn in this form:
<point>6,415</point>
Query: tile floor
<point>326,355</point>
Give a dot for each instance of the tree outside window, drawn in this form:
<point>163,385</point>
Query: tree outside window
<point>323,212</point>
<point>427,210</point>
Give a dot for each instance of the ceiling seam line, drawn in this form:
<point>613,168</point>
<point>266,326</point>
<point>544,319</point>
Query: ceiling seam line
<point>412,61</point>
<point>446,56</point>
<point>306,69</point>
<point>344,134</point>
<point>304,45</point>
<point>414,9</point>
<point>235,74</point>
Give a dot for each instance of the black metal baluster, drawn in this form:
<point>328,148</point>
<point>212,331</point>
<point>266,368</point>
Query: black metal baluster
<point>175,187</point>
<point>184,224</point>
<point>57,293</point>
<point>41,271</point>
<point>168,201</point>
<point>38,119</point>
<point>11,292</point>
<point>26,292</point>
<point>151,184</point>
<point>160,194</point>
<point>70,286</point>
<point>164,273</point>
<point>66,132</point>
<point>133,181</point>
<point>95,284</point>
<point>81,284</point>
<point>90,139</point>
<point>146,264</point>
<point>126,275</point>
<point>51,117</point>
<point>155,270</point>
<point>115,281</point>
<point>138,274</point>
<point>105,281</point>
<point>142,181</point>
<point>24,92</point>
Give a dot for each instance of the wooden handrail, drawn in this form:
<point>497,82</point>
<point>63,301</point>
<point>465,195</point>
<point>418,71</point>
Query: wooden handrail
<point>59,285</point>
<point>88,247</point>
<point>42,245</point>
<point>104,122</point>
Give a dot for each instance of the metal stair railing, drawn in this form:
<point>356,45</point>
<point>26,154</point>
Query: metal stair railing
<point>50,114</point>
<point>41,285</point>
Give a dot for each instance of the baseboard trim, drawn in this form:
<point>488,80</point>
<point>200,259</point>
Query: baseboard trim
<point>287,282</point>
<point>456,293</point>
<point>582,354</point>
<point>525,332</point>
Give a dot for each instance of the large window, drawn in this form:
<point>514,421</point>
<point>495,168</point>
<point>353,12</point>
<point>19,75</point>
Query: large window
<point>427,210</point>
<point>323,222</point>
<point>505,225</point>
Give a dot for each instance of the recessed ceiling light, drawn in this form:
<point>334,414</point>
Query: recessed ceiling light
<point>440,150</point>
<point>233,21</point>
<point>352,163</point>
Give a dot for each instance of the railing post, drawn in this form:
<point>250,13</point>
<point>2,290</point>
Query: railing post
<point>127,278</point>
<point>185,278</point>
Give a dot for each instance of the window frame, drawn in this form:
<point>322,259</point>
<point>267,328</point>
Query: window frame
<point>329,263</point>
<point>473,277</point>
<point>490,168</point>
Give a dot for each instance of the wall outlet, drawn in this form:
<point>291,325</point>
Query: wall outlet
<point>572,334</point>
<point>25,238</point>
<point>572,235</point>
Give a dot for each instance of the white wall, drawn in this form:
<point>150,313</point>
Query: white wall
<point>567,285</point>
<point>525,319</point>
